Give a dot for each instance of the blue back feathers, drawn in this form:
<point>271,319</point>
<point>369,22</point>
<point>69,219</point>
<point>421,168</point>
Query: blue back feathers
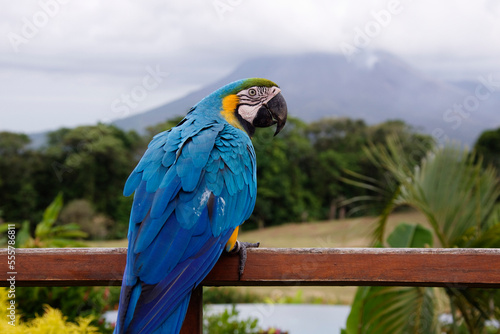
<point>194,185</point>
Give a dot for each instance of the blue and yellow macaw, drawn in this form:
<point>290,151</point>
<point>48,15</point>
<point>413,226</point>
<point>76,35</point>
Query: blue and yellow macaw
<point>194,186</point>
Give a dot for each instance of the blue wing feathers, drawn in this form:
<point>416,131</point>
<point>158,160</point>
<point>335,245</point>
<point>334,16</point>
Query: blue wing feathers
<point>150,170</point>
<point>174,321</point>
<point>158,301</point>
<point>134,297</point>
<point>198,239</point>
<point>132,183</point>
<point>142,203</point>
<point>189,273</point>
<point>150,228</point>
<point>164,254</point>
<point>168,159</point>
<point>153,182</point>
<point>190,208</point>
<point>173,240</point>
<point>229,182</point>
<point>171,178</point>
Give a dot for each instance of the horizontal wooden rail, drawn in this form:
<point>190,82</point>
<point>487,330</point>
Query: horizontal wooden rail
<point>309,266</point>
<point>271,267</point>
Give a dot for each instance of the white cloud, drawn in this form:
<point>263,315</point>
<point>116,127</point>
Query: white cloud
<point>75,63</point>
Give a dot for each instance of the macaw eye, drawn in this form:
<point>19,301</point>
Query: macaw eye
<point>252,92</point>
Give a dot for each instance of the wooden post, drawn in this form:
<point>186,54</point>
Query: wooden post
<point>193,323</point>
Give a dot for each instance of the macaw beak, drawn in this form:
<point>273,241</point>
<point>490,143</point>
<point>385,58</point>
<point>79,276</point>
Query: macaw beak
<point>272,112</point>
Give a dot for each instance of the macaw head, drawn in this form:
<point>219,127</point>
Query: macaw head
<point>251,103</point>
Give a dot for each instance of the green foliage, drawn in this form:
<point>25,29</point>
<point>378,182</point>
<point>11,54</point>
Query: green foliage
<point>227,323</point>
<point>488,147</point>
<point>461,328</point>
<point>12,143</point>
<point>392,310</point>
<point>391,160</point>
<point>471,308</point>
<point>409,235</point>
<point>47,234</point>
<point>298,171</point>
<point>455,193</point>
<point>298,298</point>
<point>459,198</point>
<point>87,162</point>
<point>72,301</point>
<point>395,309</point>
<point>18,166</point>
<point>93,163</point>
<point>281,196</point>
<point>49,321</point>
<point>81,212</point>
<point>227,295</point>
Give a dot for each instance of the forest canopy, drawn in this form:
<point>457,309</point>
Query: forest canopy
<point>299,172</point>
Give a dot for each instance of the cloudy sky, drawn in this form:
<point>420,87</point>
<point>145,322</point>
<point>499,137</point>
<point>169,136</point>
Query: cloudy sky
<point>66,62</point>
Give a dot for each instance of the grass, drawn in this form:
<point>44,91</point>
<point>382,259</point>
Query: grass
<point>351,232</point>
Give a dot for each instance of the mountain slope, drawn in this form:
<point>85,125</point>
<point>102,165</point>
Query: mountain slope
<point>374,86</point>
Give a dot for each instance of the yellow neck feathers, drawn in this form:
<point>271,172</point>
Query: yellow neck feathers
<point>229,104</point>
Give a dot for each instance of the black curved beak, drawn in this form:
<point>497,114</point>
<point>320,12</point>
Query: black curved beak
<point>272,112</point>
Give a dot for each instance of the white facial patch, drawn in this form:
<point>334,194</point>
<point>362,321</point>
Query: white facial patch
<point>252,99</point>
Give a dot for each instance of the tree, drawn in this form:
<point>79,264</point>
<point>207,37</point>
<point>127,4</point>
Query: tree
<point>18,198</point>
<point>459,199</point>
<point>339,145</point>
<point>299,171</point>
<point>488,147</point>
<point>339,134</point>
<point>93,163</point>
<point>13,143</point>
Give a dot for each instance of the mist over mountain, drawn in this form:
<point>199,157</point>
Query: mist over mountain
<point>374,86</point>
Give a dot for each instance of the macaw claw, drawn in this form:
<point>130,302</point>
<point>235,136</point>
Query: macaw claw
<point>241,249</point>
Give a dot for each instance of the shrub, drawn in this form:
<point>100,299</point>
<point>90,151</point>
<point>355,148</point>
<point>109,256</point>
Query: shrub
<point>81,212</point>
<point>227,323</point>
<point>51,321</point>
<point>73,302</point>
<point>223,295</point>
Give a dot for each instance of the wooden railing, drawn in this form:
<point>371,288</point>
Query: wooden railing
<point>269,267</point>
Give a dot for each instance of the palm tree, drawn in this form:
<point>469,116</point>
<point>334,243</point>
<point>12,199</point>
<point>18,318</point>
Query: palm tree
<point>459,198</point>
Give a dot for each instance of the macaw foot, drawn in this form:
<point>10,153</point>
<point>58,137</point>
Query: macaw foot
<point>241,249</point>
